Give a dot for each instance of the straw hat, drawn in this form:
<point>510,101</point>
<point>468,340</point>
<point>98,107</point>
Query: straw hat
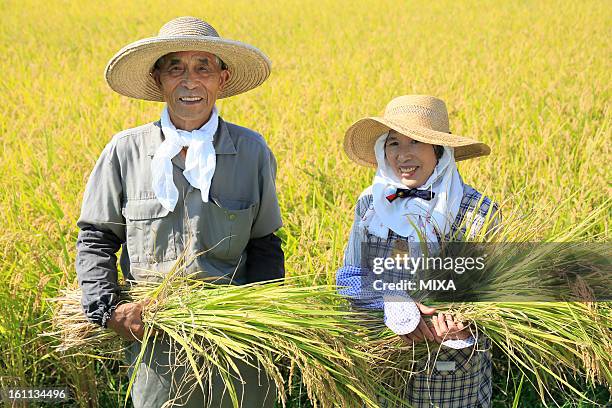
<point>128,72</point>
<point>420,117</point>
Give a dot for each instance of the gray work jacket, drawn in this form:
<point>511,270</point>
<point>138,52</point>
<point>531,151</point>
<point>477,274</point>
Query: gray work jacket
<point>120,210</point>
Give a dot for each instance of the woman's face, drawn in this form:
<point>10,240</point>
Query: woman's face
<point>412,161</point>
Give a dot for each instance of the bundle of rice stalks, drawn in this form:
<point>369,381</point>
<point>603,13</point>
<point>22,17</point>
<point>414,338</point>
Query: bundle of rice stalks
<point>279,326</point>
<point>519,301</point>
<point>548,340</point>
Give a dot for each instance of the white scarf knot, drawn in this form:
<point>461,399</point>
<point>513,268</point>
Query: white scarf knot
<point>200,162</point>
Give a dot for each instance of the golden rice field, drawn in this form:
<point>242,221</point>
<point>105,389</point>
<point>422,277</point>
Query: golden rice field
<point>530,78</point>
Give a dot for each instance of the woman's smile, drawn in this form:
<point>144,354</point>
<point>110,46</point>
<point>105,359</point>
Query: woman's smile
<point>411,161</point>
<point>407,171</point>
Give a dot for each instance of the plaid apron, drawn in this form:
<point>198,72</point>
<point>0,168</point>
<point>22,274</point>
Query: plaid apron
<point>454,378</point>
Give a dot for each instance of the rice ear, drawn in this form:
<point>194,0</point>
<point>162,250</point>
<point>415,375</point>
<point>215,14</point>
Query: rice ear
<point>550,340</point>
<point>307,329</point>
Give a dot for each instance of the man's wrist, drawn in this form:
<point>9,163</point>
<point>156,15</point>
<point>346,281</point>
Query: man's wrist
<point>106,316</point>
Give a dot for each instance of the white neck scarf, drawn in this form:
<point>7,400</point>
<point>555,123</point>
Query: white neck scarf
<point>199,164</point>
<point>438,213</point>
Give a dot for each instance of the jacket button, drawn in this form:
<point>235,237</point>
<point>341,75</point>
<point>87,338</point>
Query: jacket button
<point>231,217</point>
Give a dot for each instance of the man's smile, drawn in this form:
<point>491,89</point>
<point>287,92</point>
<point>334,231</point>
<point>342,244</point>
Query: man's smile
<point>190,100</point>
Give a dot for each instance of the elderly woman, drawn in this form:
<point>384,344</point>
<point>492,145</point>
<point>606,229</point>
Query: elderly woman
<point>418,197</point>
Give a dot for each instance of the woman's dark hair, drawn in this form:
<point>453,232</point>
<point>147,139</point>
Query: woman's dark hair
<point>439,151</point>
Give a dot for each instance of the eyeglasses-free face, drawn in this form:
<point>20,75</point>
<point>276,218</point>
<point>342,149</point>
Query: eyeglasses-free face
<point>190,82</point>
<point>411,161</point>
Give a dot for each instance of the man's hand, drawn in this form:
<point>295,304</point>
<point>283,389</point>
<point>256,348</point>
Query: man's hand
<point>126,321</point>
<point>422,331</point>
<point>447,328</point>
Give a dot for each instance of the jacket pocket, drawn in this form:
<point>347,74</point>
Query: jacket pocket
<point>150,231</point>
<point>457,378</point>
<point>453,362</point>
<point>225,231</point>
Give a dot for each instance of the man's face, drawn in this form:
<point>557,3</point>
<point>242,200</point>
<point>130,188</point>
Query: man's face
<point>190,82</point>
<point>412,161</point>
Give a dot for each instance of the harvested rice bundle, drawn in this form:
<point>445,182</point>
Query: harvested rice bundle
<point>279,326</point>
<point>547,339</point>
<point>518,302</point>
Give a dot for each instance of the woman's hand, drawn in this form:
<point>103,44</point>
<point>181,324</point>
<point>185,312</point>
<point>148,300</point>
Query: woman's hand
<point>443,327</point>
<point>422,331</point>
<point>447,328</point>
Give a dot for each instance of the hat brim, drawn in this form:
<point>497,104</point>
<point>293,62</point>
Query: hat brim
<point>128,72</point>
<point>360,138</point>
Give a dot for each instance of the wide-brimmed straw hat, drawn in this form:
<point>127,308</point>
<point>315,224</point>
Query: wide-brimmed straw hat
<point>420,117</point>
<point>128,72</point>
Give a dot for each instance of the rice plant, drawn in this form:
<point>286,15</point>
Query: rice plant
<point>305,330</point>
<point>545,306</point>
<point>529,78</point>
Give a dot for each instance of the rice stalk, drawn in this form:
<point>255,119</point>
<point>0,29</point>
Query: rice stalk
<point>547,309</point>
<point>548,340</point>
<point>277,326</point>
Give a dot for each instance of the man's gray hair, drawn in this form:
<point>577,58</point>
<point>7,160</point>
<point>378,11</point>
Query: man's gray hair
<point>161,59</point>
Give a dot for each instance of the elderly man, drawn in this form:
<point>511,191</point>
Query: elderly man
<point>189,183</point>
